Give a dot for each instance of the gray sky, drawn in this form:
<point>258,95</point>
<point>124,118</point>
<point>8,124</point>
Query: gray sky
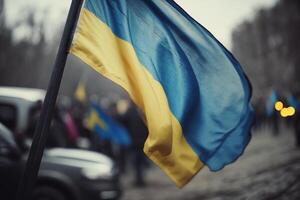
<point>218,16</point>
<point>221,16</point>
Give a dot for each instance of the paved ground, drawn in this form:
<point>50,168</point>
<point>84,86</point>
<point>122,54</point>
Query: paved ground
<point>269,169</point>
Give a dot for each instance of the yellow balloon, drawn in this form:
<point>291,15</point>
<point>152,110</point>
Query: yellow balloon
<point>278,106</point>
<point>291,111</point>
<point>284,112</point>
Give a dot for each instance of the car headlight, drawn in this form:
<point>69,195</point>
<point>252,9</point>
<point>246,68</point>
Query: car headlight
<point>97,172</point>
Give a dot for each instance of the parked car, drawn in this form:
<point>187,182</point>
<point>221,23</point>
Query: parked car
<point>20,109</point>
<point>65,174</point>
<point>17,104</point>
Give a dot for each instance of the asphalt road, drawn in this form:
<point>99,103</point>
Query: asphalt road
<point>269,169</point>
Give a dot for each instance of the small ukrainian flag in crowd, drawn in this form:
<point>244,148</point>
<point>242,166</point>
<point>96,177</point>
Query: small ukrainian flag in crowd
<point>273,98</point>
<point>192,91</point>
<point>80,93</point>
<point>106,127</point>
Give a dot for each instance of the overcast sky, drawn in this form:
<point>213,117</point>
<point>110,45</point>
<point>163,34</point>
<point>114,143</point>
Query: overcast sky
<point>218,16</point>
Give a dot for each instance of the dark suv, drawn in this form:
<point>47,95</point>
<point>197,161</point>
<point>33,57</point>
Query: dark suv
<point>65,174</point>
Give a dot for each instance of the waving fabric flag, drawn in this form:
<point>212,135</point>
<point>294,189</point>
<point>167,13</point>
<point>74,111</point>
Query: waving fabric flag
<point>80,93</point>
<point>106,127</point>
<point>192,91</point>
<point>270,103</point>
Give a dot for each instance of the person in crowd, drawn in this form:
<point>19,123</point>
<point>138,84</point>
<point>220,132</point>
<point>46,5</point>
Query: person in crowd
<point>58,136</point>
<point>296,121</point>
<point>132,120</point>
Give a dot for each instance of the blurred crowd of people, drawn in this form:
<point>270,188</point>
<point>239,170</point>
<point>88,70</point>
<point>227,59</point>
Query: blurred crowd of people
<point>117,131</point>
<point>116,127</point>
<point>271,112</point>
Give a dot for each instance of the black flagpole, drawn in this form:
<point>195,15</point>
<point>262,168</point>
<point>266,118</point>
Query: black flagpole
<point>41,131</point>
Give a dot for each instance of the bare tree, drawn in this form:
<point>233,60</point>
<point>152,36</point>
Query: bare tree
<point>268,47</point>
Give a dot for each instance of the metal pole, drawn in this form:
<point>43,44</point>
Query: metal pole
<point>41,131</point>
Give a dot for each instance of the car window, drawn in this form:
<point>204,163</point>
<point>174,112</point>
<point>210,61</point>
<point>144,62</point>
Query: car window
<point>8,115</point>
<point>6,140</point>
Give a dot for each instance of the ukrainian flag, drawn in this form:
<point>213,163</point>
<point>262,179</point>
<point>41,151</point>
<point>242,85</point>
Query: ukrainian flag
<point>193,92</point>
<point>105,126</point>
<point>80,93</point>
<point>273,98</point>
